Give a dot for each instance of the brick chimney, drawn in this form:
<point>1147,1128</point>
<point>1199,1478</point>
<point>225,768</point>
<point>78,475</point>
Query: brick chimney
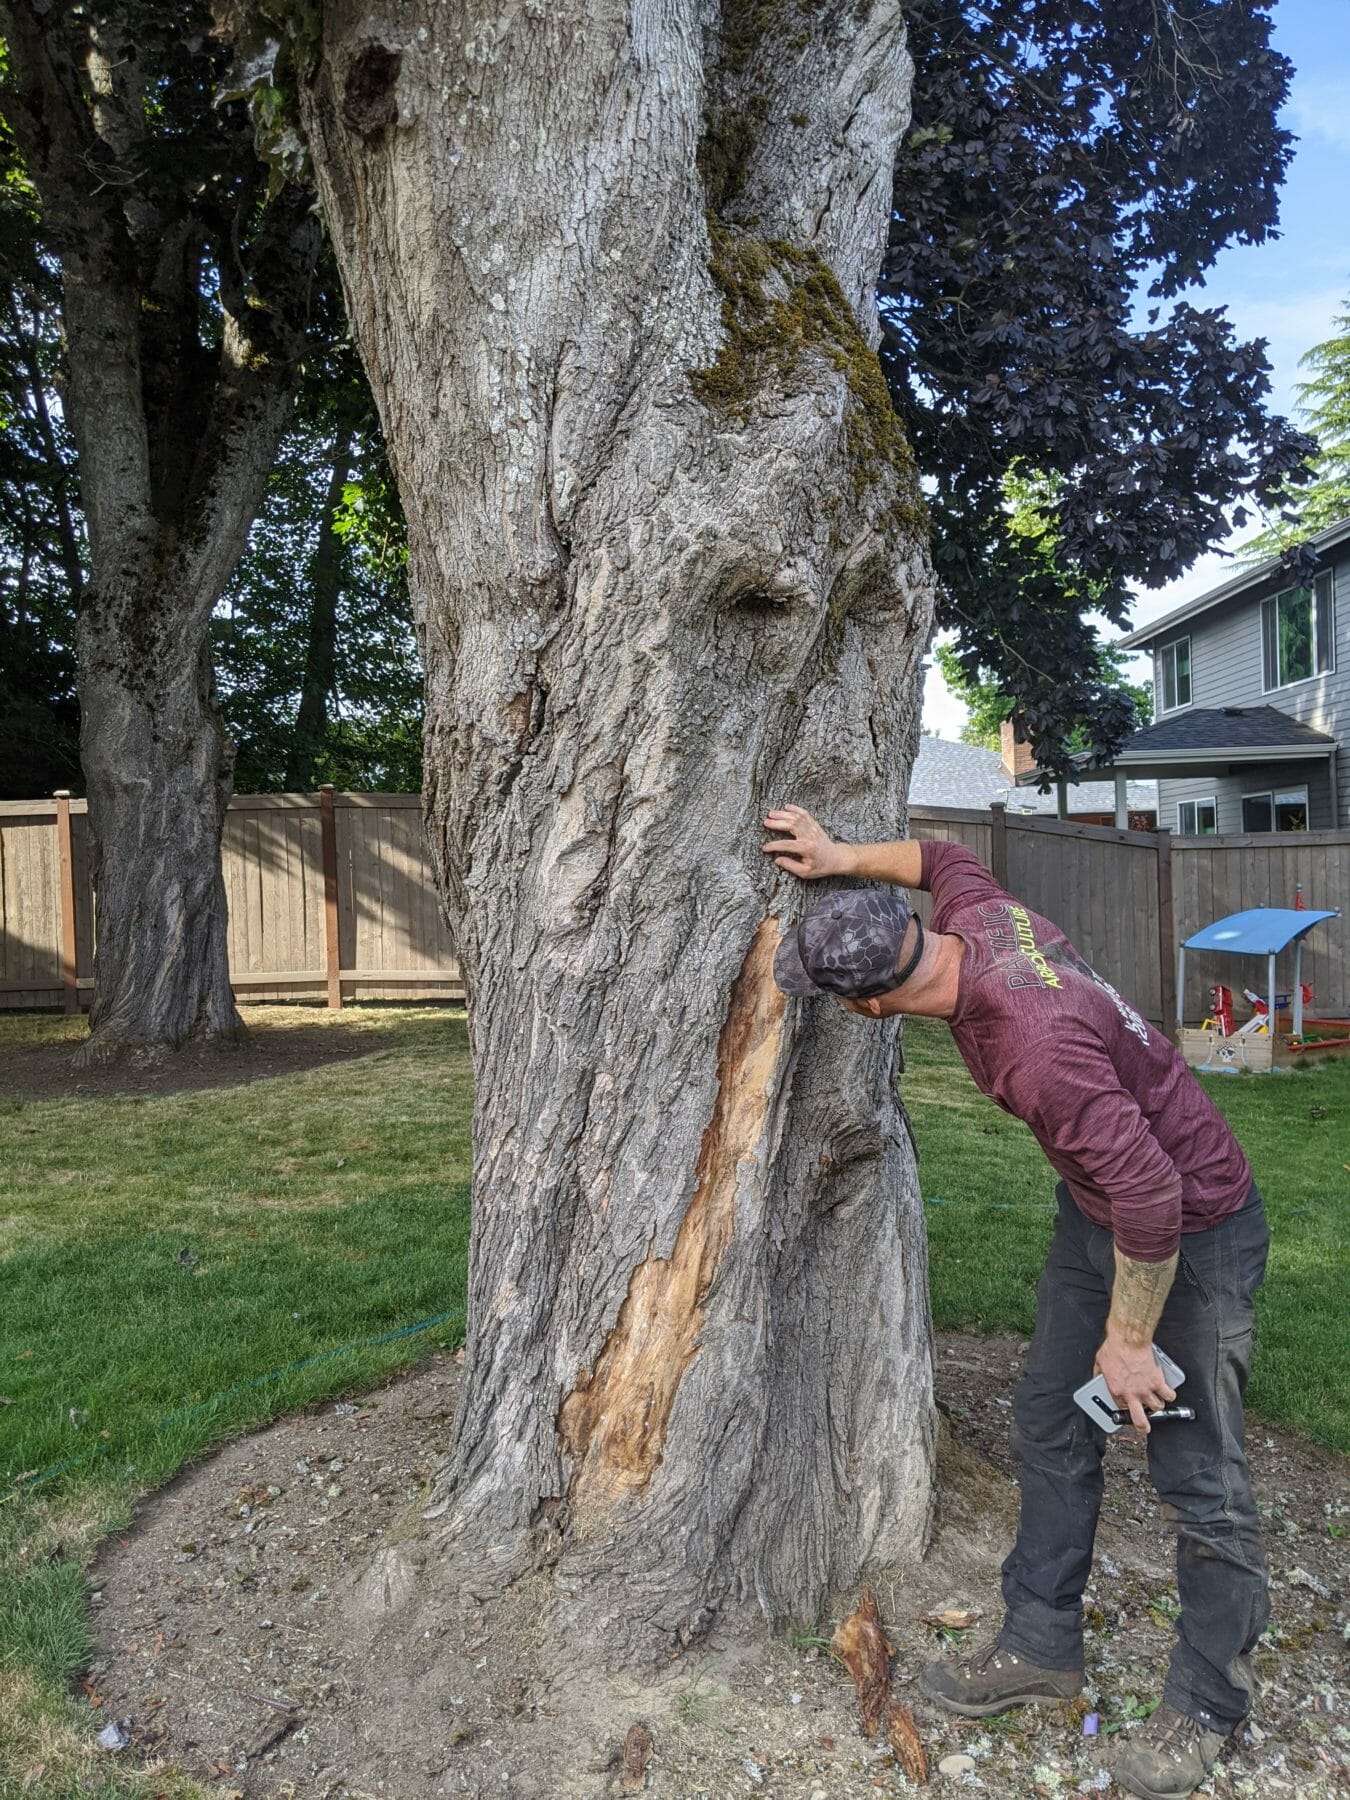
<point>1016,752</point>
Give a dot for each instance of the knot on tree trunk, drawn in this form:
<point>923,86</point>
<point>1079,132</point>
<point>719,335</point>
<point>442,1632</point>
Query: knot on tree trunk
<point>369,89</point>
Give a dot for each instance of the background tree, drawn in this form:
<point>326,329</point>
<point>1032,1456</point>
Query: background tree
<point>987,705</point>
<point>1324,403</point>
<point>184,294</point>
<point>1071,170</point>
<point>316,660</point>
<point>316,663</point>
<point>1029,523</point>
<point>42,543</point>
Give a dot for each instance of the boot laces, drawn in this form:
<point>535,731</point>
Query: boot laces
<point>1175,1730</point>
<point>981,1658</point>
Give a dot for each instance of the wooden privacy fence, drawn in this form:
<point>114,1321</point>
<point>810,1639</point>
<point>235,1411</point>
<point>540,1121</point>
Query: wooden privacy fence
<point>331,897</point>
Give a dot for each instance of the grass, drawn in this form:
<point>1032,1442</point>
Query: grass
<point>162,1258</point>
<point>989,1207</point>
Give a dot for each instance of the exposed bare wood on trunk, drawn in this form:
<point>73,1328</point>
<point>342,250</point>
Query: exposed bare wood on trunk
<point>669,568</point>
<point>613,1426</point>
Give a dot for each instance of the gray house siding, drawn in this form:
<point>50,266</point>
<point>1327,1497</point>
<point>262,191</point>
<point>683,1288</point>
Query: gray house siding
<point>1226,671</point>
<point>1256,778</point>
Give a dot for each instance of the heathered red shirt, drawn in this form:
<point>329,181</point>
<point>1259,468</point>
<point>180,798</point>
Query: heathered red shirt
<point>1125,1124</point>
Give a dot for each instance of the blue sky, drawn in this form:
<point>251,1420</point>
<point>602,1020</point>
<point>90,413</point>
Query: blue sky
<point>1287,290</point>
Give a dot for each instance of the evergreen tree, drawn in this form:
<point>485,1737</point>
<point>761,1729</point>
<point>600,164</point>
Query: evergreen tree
<point>1324,403</point>
<point>317,670</point>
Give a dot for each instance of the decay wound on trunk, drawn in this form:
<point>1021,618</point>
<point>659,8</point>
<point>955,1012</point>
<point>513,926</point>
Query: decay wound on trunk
<point>614,1425</point>
<point>369,89</point>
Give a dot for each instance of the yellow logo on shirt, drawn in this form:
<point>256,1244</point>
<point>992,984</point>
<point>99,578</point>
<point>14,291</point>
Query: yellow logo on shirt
<point>1016,942</point>
<point>1029,948</point>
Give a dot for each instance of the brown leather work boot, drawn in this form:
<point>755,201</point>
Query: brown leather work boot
<point>1168,1758</point>
<point>992,1680</point>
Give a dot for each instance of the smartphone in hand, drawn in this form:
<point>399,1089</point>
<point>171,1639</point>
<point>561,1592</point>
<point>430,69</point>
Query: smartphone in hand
<point>1098,1402</point>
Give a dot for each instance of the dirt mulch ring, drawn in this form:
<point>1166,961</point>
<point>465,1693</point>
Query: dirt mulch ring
<point>235,1636</point>
<point>281,1040</point>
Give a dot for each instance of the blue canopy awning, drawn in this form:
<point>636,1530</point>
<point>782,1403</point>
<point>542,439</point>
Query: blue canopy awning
<point>1261,931</point>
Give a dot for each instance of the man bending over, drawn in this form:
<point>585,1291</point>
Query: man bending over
<point>1160,1235</point>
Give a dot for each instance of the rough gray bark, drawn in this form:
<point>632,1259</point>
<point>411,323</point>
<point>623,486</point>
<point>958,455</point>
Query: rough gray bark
<point>610,268</point>
<point>175,438</point>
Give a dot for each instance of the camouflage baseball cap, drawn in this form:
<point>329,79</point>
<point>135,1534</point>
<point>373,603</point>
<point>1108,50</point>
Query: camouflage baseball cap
<point>848,947</point>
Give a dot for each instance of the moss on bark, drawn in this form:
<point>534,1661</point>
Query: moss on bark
<point>781,305</point>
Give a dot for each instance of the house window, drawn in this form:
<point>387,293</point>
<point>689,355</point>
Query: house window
<point>1297,634</point>
<point>1197,818</point>
<point>1276,812</point>
<point>1174,675</point>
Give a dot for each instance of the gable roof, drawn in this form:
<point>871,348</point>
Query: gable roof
<point>947,773</point>
<point>1206,740</point>
<point>1226,728</point>
<point>1248,581</point>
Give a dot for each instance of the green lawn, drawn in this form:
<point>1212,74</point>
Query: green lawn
<point>163,1258</point>
<point>160,1258</point>
<point>989,1205</point>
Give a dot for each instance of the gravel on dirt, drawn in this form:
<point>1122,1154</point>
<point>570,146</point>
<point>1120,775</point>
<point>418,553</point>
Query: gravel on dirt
<point>235,1636</point>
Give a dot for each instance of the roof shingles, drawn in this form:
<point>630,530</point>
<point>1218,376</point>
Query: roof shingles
<point>949,773</point>
<point>1222,728</point>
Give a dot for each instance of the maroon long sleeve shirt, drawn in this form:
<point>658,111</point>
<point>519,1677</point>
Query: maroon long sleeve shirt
<point>1122,1119</point>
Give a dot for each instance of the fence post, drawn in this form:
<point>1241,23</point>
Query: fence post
<point>331,947</point>
<point>65,887</point>
<point>1167,933</point>
<point>998,842</point>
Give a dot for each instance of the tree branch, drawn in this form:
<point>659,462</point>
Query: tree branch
<point>69,538</point>
<point>261,345</point>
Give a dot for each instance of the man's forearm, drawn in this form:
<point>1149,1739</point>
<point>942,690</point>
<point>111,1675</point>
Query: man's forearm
<point>1137,1298</point>
<point>900,862</point>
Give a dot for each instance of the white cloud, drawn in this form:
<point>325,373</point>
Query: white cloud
<point>943,713</point>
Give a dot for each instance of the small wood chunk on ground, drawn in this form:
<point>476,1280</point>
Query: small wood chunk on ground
<point>951,1618</point>
<point>903,1738</point>
<point>271,1732</point>
<point>637,1753</point>
<point>865,1651</point>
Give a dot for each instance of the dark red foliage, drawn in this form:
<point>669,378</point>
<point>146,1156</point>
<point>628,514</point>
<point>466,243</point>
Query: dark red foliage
<point>1072,169</point>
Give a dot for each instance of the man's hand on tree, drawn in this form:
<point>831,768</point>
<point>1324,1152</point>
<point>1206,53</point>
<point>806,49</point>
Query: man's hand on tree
<point>1136,1382</point>
<point>803,847</point>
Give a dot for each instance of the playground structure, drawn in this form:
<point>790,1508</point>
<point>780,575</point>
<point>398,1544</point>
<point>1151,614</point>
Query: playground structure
<point>1281,1031</point>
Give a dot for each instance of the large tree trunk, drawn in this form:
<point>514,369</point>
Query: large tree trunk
<point>613,283</point>
<point>175,435</point>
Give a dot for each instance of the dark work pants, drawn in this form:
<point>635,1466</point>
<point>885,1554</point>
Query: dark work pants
<point>1198,1467</point>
